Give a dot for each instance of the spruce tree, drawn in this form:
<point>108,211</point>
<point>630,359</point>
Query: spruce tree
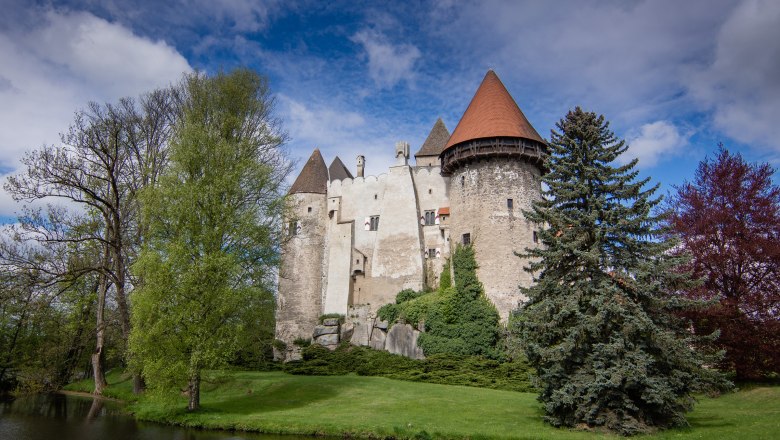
<point>600,325</point>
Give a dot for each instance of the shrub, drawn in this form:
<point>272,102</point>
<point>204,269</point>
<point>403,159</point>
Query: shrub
<point>389,312</point>
<point>447,369</point>
<point>462,320</point>
<point>407,295</point>
<point>302,342</point>
<point>445,280</point>
<point>332,315</point>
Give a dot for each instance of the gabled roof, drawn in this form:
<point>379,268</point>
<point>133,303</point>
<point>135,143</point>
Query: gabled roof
<point>338,171</point>
<point>313,177</point>
<point>437,139</point>
<point>492,113</point>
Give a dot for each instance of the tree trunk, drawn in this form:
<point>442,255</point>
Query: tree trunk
<point>120,274</point>
<point>194,392</point>
<point>139,384</point>
<point>98,355</point>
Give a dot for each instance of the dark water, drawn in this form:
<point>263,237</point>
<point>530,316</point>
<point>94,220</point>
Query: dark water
<point>60,417</point>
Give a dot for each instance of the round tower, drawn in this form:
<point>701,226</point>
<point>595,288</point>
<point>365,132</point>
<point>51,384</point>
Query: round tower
<point>495,161</point>
<point>299,302</point>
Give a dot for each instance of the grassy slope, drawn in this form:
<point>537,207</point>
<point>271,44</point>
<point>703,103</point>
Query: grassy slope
<point>363,406</point>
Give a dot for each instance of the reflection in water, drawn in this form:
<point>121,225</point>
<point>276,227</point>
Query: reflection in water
<point>60,417</point>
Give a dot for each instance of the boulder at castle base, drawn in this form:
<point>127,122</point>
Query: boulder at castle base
<point>402,339</point>
<point>330,321</point>
<point>329,340</point>
<point>360,334</point>
<point>325,330</point>
<point>347,330</point>
<point>378,338</point>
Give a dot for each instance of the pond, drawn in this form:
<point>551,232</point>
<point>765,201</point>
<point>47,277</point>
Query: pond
<point>66,417</point>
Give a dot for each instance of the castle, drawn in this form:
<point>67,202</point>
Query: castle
<point>356,241</point>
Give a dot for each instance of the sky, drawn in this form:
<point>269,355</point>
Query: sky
<point>674,78</point>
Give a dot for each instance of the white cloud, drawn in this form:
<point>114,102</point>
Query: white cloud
<point>742,84</point>
<point>654,142</point>
<point>388,64</point>
<point>103,56</point>
<point>55,68</point>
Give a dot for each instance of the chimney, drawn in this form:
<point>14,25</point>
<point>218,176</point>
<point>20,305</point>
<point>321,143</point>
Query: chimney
<point>401,153</point>
<point>361,164</point>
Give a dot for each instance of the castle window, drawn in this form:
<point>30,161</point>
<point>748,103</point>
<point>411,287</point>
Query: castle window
<point>430,191</point>
<point>432,253</point>
<point>374,196</point>
<point>510,203</point>
<point>373,223</point>
<point>536,237</point>
<point>309,208</point>
<point>430,218</point>
<point>466,239</point>
<point>462,181</point>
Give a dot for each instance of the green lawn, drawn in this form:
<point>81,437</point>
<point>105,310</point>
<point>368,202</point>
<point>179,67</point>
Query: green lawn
<point>276,402</point>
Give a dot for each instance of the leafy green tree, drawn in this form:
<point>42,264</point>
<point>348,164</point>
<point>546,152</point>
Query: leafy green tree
<point>600,326</point>
<point>213,229</point>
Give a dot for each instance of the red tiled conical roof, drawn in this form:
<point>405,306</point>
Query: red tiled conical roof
<point>313,177</point>
<point>492,113</point>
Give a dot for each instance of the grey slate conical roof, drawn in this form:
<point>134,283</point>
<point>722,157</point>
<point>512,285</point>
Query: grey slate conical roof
<point>436,140</point>
<point>313,177</point>
<point>338,171</point>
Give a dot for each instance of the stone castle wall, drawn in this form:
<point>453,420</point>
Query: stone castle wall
<point>478,198</point>
<point>299,303</point>
<point>433,194</point>
<point>384,261</point>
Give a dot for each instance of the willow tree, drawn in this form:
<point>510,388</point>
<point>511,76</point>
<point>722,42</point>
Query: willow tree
<point>213,222</point>
<point>600,326</point>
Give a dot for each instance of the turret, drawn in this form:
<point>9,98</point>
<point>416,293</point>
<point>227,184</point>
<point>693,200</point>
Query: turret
<point>299,303</point>
<point>494,158</point>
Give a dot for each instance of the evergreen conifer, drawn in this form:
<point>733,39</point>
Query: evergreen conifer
<point>600,325</point>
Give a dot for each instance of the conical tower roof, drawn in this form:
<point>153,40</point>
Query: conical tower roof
<point>437,139</point>
<point>338,171</point>
<point>313,177</point>
<point>492,113</point>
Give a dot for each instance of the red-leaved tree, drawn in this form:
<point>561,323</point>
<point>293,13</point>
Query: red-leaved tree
<point>728,219</point>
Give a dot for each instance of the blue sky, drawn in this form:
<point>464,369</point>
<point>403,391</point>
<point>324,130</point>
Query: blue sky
<point>674,78</point>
